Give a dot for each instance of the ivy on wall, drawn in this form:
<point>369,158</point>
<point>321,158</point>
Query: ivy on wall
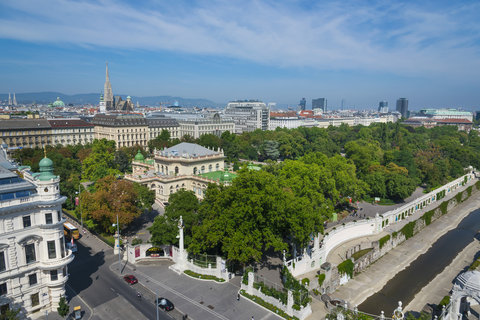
<point>346,267</point>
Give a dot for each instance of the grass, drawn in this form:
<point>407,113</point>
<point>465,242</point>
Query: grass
<point>475,264</point>
<point>202,276</point>
<point>357,255</point>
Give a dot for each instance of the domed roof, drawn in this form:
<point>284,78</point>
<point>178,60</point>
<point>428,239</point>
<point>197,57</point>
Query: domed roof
<point>58,103</point>
<point>45,163</point>
<point>227,176</point>
<point>139,156</point>
<point>469,280</point>
<point>128,97</point>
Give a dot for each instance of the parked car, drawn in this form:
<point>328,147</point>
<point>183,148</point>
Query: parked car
<point>165,304</point>
<point>130,279</point>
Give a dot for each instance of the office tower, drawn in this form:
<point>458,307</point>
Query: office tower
<point>108,93</point>
<point>402,107</point>
<point>9,99</point>
<point>320,103</point>
<point>14,99</point>
<point>303,104</point>
<point>383,106</point>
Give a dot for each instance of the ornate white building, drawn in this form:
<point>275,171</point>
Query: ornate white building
<point>33,258</point>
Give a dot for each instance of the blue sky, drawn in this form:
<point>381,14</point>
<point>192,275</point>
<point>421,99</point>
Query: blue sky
<point>276,51</point>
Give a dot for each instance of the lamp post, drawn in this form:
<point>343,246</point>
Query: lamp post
<point>118,245</point>
<point>80,208</point>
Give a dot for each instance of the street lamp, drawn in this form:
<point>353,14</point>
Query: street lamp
<point>81,215</point>
<point>118,239</point>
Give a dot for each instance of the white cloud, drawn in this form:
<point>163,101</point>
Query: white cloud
<point>396,38</point>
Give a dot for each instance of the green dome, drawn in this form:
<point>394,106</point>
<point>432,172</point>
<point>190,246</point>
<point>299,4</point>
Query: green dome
<point>139,156</point>
<point>58,103</point>
<point>129,97</point>
<point>227,176</point>
<point>45,164</point>
<point>46,169</point>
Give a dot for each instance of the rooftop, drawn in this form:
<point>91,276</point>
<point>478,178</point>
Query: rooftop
<point>188,150</point>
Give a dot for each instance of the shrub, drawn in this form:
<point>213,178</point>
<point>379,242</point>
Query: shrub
<point>477,184</point>
<point>469,190</point>
<point>394,234</point>
<point>321,278</point>
<point>136,241</point>
<point>245,275</point>
<point>346,267</point>
<point>272,292</point>
<point>306,282</point>
<point>316,292</point>
<point>475,264</point>
<point>300,293</point>
<point>383,240</point>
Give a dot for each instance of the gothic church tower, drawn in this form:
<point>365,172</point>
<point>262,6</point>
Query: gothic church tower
<point>107,93</point>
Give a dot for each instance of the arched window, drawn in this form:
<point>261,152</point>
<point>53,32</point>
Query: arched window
<point>176,170</point>
<point>203,169</point>
<point>195,170</point>
<point>210,168</point>
<point>217,166</point>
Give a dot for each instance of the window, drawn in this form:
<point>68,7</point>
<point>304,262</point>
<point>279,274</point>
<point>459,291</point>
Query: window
<point>35,299</point>
<point>32,279</point>
<point>26,221</point>
<point>2,261</point>
<point>3,289</point>
<point>52,254</point>
<point>30,253</point>
<point>53,275</point>
<point>48,218</point>
<point>62,247</point>
<point>59,215</point>
<point>64,271</point>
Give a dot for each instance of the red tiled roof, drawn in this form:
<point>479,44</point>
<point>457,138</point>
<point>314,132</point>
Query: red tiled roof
<point>69,123</point>
<point>463,121</point>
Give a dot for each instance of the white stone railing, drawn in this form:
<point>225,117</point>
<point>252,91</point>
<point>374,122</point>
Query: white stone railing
<point>301,314</point>
<point>340,234</point>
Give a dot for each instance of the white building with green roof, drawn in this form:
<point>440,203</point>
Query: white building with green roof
<point>186,166</point>
<point>33,257</point>
<point>447,113</point>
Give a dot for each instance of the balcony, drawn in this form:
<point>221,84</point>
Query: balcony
<point>57,263</point>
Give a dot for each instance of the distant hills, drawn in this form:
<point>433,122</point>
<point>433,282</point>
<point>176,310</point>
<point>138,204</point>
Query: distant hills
<point>93,98</point>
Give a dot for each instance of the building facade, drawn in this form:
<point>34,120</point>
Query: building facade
<point>158,124</point>
<point>25,133</point>
<point>248,115</point>
<point>184,166</point>
<point>215,126</point>
<point>33,257</point>
<point>383,106</point>
<point>402,107</point>
<point>449,113</point>
<point>320,103</point>
<point>71,131</point>
<point>127,130</point>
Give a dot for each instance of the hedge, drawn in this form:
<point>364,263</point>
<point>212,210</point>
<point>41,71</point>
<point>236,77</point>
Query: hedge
<point>267,305</point>
<point>202,276</point>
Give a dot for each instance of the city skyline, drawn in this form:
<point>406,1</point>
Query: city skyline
<point>280,52</point>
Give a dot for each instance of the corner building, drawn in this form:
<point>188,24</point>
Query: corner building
<point>33,258</point>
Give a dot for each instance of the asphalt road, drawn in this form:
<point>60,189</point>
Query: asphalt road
<point>105,291</point>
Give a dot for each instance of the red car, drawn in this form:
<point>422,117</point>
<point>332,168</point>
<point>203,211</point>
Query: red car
<point>130,279</point>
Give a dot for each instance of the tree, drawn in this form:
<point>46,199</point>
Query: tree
<point>161,141</point>
<point>165,228</point>
<point>101,161</point>
<point>63,308</point>
<point>111,197</point>
<point>10,314</point>
<point>146,197</point>
<point>122,161</point>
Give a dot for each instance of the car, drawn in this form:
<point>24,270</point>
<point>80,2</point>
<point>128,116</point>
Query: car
<point>165,304</point>
<point>130,279</point>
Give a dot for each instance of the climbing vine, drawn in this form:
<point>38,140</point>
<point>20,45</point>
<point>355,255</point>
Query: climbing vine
<point>407,230</point>
<point>427,217</point>
<point>346,267</point>
<point>383,240</point>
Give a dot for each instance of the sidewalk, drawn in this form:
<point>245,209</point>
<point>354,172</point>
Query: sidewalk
<point>73,300</point>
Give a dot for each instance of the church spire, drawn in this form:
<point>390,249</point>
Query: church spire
<point>107,92</point>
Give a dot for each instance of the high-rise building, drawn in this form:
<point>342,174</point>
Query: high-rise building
<point>9,99</point>
<point>383,106</point>
<point>107,92</point>
<point>402,107</point>
<point>303,104</point>
<point>248,115</point>
<point>14,99</point>
<point>320,103</point>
